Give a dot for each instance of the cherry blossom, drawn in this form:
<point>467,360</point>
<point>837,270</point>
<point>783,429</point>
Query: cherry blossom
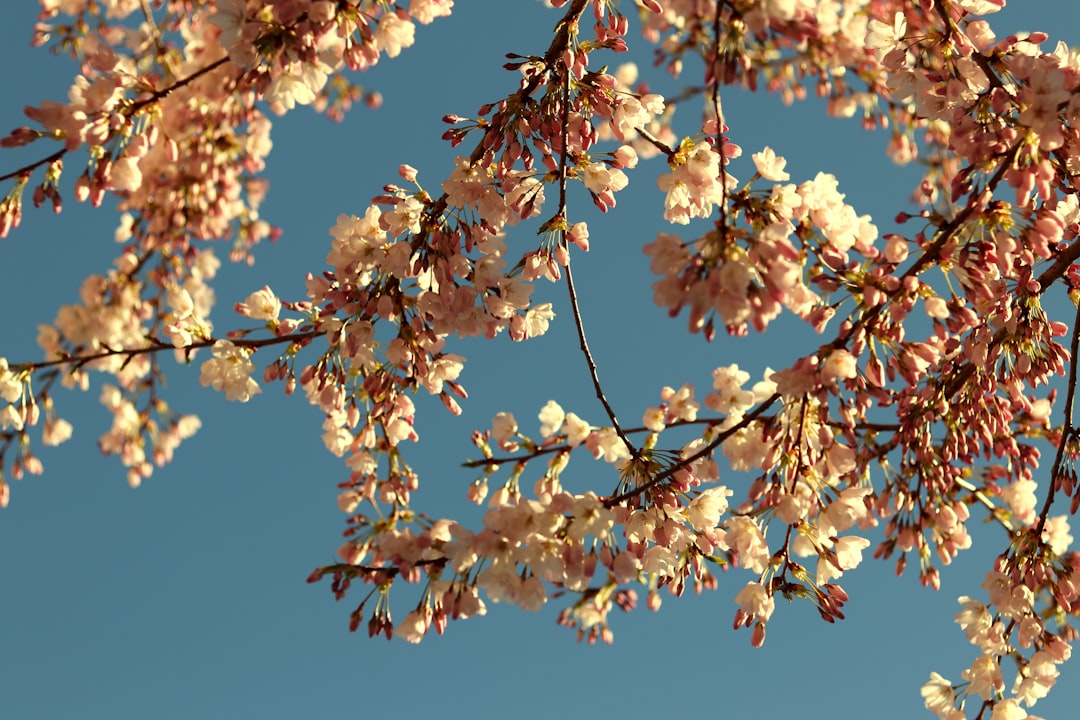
<point>938,389</point>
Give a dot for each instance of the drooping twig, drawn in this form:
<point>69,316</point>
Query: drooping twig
<point>571,289</point>
<point>129,111</point>
<point>1067,430</point>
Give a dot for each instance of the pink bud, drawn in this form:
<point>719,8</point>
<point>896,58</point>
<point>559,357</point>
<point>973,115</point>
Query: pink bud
<point>757,639</point>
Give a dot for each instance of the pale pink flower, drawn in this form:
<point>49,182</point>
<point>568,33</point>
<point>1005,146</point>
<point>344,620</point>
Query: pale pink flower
<point>538,319</point>
<point>770,166</point>
<point>984,677</point>
<point>577,430</point>
<point>579,235</point>
<point>981,7</point>
<point>1021,499</point>
<point>681,403</point>
<point>398,430</point>
<point>653,419</point>
<point>937,308</point>
<point>124,174</point>
<point>531,595</point>
<point>590,517</point>
<point>337,439</point>
<point>599,178</point>
<point>1013,601</point>
<point>260,305</point>
<point>755,601</point>
<point>442,369</point>
<point>729,397</point>
<point>693,188</point>
<point>626,157</point>
<point>352,552</point>
<point>465,185</point>
<point>883,37</point>
<point>229,371</point>
<point>10,385</point>
<point>896,248</point>
<point>659,560</point>
<point>625,567</point>
<point>321,11</point>
<point>362,462</point>
<point>627,74</point>
<point>230,16</point>
<point>839,365</point>
<point>500,581</point>
<point>348,501</point>
<point>356,241</point>
<point>404,217</point>
<point>394,34</point>
<point>1056,534</point>
<point>413,628</point>
<point>606,444</point>
<point>634,113</point>
<point>746,449</point>
<point>938,695</point>
<point>425,11</point>
<point>298,83</point>
<point>848,509</point>
<point>745,538</point>
<point>1036,679</point>
<point>1029,631</point>
<point>981,35</point>
<point>1008,710</point>
<point>794,506</point>
<point>705,510</point>
<point>56,431</point>
<point>849,551</point>
<point>10,418</point>
<point>503,428</point>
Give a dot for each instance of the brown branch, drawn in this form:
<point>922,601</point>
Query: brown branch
<point>950,228</point>
<point>128,111</point>
<point>704,452</point>
<point>571,289</point>
<point>25,170</point>
<point>158,346</point>
<point>1067,429</point>
<point>1060,266</point>
<point>719,120</point>
<point>552,57</point>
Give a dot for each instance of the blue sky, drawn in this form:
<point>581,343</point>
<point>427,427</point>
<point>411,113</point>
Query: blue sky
<point>186,598</point>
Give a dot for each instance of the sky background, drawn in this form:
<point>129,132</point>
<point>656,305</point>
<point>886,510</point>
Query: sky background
<point>186,597</point>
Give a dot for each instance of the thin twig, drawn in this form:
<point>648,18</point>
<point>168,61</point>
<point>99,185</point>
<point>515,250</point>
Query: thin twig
<point>128,111</point>
<point>702,453</point>
<point>571,289</point>
<point>158,346</point>
<point>718,118</point>
<point>1067,430</point>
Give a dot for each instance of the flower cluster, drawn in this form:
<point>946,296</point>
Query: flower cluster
<point>920,407</point>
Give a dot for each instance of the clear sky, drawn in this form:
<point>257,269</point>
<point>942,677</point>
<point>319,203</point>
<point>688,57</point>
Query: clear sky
<point>186,597</point>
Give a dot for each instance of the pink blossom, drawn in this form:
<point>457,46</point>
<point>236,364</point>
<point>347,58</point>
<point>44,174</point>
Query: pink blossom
<point>393,34</point>
<point>124,174</point>
<point>229,371</point>
<point>938,696</point>
<point>755,601</point>
<point>747,541</point>
<point>770,166</point>
<point>261,305</point>
<point>883,37</point>
<point>705,510</point>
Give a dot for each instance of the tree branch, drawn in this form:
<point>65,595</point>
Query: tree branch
<point>128,111</point>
